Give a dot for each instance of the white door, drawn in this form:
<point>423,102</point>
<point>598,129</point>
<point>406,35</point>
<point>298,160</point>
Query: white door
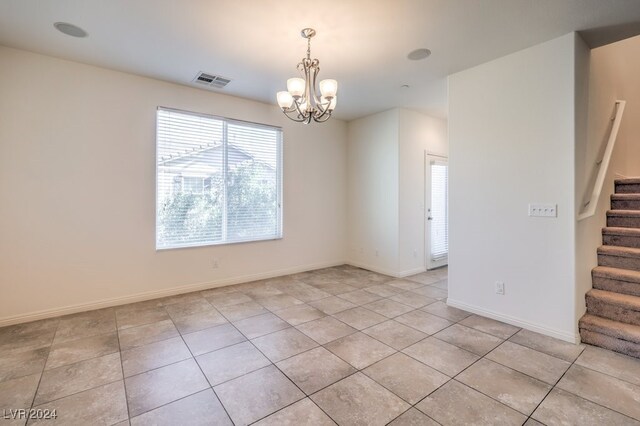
<point>437,204</point>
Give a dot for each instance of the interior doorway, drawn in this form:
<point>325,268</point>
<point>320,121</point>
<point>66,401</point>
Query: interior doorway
<point>437,213</point>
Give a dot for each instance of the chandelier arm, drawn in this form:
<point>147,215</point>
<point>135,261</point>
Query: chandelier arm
<point>297,108</point>
<point>298,119</point>
<point>322,112</point>
<point>319,118</point>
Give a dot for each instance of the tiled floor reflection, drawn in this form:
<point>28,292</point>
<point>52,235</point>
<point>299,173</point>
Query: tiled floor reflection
<point>338,345</point>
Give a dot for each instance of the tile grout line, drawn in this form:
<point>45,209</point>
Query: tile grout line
<point>453,378</point>
<point>305,396</point>
<point>79,392</point>
<point>285,375</point>
<point>85,359</point>
<point>554,386</point>
<point>357,370</point>
<point>271,363</point>
<point>176,362</point>
<point>43,367</point>
<point>248,340</point>
<point>184,342</point>
<point>274,312</point>
<point>180,333</point>
<point>578,396</point>
<point>124,382</point>
<point>156,368</point>
<point>276,367</point>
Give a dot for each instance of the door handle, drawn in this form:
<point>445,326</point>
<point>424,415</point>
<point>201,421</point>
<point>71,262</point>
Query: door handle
<point>429,218</point>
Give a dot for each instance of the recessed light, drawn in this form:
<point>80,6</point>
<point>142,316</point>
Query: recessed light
<point>418,54</point>
<point>404,86</point>
<point>70,29</point>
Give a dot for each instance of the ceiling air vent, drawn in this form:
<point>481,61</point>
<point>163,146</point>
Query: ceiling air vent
<point>211,80</point>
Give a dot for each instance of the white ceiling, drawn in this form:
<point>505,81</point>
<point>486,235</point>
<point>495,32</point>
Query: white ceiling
<point>361,43</point>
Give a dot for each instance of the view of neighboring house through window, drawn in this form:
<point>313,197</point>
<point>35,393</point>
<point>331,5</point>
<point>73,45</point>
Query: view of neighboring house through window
<point>218,180</point>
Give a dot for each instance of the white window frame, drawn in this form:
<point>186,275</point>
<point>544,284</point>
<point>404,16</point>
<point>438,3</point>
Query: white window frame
<point>279,181</point>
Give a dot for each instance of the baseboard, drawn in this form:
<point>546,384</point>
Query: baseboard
<point>567,337</point>
<point>412,272</point>
<point>394,274</point>
<point>148,295</point>
<point>357,264</point>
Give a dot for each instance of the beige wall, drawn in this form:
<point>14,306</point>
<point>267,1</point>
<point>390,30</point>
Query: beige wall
<point>386,166</point>
<point>373,192</point>
<point>77,182</point>
<point>419,134</point>
<point>511,143</point>
<point>614,72</point>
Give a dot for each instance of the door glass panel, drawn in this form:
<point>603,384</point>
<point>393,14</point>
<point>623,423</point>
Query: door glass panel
<point>439,205</point>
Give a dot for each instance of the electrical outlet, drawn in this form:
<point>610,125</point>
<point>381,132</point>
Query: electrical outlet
<point>214,263</point>
<point>543,210</point>
<point>499,287</point>
<point>415,253</point>
<point>377,254</point>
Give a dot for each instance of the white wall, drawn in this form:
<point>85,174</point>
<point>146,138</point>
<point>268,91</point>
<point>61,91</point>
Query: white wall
<point>386,166</point>
<point>372,171</point>
<point>613,75</point>
<point>419,133</point>
<point>511,143</point>
<point>77,182</point>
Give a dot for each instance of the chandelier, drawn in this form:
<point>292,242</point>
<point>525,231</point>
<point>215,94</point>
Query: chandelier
<point>300,102</point>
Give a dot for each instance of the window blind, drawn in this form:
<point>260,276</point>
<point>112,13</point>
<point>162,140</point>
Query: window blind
<point>218,180</point>
<point>439,213</point>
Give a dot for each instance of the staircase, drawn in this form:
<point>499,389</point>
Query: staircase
<point>612,320</point>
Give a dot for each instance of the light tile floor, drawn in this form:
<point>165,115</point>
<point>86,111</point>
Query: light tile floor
<point>339,345</point>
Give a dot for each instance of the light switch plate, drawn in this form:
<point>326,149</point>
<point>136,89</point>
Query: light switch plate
<point>543,210</point>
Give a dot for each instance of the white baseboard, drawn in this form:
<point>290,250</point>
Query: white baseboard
<point>154,294</point>
<point>395,274</point>
<point>562,335</point>
<point>412,272</point>
<point>373,268</point>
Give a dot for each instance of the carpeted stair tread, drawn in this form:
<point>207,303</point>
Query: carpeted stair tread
<point>621,236</point>
<point>623,213</point>
<point>619,251</point>
<point>624,197</point>
<point>608,342</point>
<point>616,273</point>
<point>625,202</point>
<point>623,218</point>
<point>619,330</point>
<point>627,186</point>
<point>614,230</point>
<point>623,258</point>
<point>625,301</point>
<point>627,181</point>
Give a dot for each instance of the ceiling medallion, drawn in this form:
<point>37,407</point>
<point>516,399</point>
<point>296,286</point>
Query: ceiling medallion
<point>300,102</point>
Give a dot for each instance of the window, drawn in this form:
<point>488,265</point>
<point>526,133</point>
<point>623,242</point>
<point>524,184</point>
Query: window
<point>218,181</point>
<point>439,213</point>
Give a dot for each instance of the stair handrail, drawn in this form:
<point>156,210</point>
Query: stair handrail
<point>603,163</point>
